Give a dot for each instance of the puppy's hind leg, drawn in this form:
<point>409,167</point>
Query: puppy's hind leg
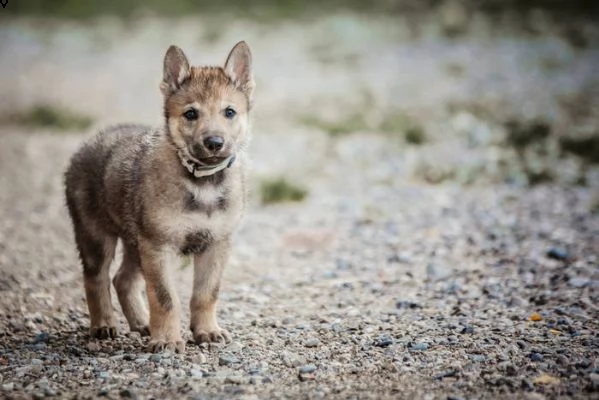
<point>129,284</point>
<point>97,251</point>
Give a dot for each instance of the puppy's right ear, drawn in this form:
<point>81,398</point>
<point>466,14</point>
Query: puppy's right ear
<point>176,70</point>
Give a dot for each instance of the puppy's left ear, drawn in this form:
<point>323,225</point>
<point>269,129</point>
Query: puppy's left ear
<point>239,68</point>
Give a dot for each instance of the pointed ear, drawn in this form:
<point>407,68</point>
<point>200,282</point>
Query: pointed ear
<point>239,67</point>
<point>176,70</point>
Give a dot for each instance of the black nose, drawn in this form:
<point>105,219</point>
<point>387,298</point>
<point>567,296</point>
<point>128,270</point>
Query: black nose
<point>214,143</point>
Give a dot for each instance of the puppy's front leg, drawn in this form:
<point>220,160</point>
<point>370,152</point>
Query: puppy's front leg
<point>208,269</point>
<point>165,308</point>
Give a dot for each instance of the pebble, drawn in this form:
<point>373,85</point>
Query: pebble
<point>196,373</point>
<point>155,358</point>
<point>312,342</point>
<point>419,346</point>
<point>536,357</point>
<point>438,272</point>
<point>227,359</point>
<point>383,341</point>
<point>42,337</point>
<point>93,347</point>
<point>234,379</point>
<point>234,347</point>
<point>578,282</point>
<point>406,305</point>
<point>557,253</point>
<point>8,387</point>
<point>307,369</point>
<point>291,359</point>
<point>478,357</point>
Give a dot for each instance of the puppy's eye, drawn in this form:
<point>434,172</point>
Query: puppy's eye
<point>230,113</point>
<point>191,114</point>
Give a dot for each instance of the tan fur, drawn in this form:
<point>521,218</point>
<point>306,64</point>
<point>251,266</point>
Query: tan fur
<point>130,182</point>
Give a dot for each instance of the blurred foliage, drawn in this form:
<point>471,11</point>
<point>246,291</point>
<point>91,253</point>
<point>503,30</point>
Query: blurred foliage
<point>392,122</point>
<point>267,8</point>
<point>48,116</point>
<point>280,190</point>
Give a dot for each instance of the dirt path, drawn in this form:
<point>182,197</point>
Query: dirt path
<point>378,285</point>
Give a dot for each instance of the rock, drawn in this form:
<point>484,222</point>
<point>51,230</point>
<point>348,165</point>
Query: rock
<point>478,358</point>
<point>42,337</point>
<point>383,341</point>
<point>291,359</point>
<point>536,357</point>
<point>467,330</point>
<point>594,384</point>
<point>437,272</point>
<point>406,305</point>
<point>419,346</point>
<point>557,253</point>
<point>234,379</point>
<point>578,282</point>
<point>128,394</point>
<point>234,347</point>
<point>8,387</point>
<point>227,359</point>
<point>93,347</point>
<point>155,358</point>
<point>103,392</point>
<point>196,373</point>
<point>312,342</point>
<point>307,369</point>
<point>104,375</point>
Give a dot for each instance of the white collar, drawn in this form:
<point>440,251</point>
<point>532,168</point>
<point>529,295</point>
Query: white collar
<point>199,171</point>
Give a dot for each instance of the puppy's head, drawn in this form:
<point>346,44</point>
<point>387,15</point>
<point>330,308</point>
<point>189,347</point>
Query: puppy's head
<point>207,108</point>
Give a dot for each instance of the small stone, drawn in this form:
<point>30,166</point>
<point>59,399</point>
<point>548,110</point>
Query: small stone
<point>93,347</point>
<point>406,305</point>
<point>36,361</point>
<point>291,359</point>
<point>419,346</point>
<point>199,359</point>
<point>8,387</point>
<point>478,358</point>
<point>103,392</point>
<point>234,347</point>
<point>155,358</point>
<point>578,282</point>
<point>104,375</point>
<point>312,342</point>
<point>467,330</point>
<point>307,369</point>
<point>383,341</point>
<point>42,337</point>
<point>557,253</point>
<point>437,272</point>
<point>128,394</point>
<point>234,379</point>
<point>227,359</point>
<point>536,357</point>
<point>583,363</point>
<point>196,373</point>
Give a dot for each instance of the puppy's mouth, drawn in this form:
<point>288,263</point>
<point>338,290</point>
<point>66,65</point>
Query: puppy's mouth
<point>211,161</point>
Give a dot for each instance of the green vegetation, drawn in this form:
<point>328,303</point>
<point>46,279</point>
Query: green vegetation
<point>280,190</point>
<point>396,123</point>
<point>47,116</point>
<point>350,124</point>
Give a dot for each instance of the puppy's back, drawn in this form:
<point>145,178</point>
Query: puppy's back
<point>99,177</point>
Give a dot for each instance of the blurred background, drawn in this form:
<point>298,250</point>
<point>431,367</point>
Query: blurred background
<point>424,172</point>
<point>433,91</point>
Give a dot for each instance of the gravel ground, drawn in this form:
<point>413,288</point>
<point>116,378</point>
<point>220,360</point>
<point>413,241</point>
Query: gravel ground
<point>376,286</point>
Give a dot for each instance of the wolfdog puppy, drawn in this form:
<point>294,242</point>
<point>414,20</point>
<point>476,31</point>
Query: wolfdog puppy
<point>179,189</point>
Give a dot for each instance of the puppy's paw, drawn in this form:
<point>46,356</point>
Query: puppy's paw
<point>103,332</point>
<point>143,330</point>
<point>211,335</point>
<point>159,346</point>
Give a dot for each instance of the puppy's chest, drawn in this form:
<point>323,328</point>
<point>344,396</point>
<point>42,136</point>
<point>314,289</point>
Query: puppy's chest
<point>206,213</point>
